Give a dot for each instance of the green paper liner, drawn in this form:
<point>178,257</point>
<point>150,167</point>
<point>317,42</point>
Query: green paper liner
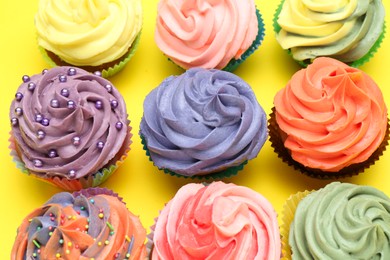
<point>89,181</point>
<point>288,213</point>
<point>107,69</point>
<point>357,63</point>
<point>277,143</point>
<point>226,173</point>
<point>233,64</point>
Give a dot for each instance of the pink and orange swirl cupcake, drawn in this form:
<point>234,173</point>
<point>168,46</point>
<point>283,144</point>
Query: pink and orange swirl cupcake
<point>217,221</point>
<point>330,120</point>
<point>208,34</point>
<point>90,224</point>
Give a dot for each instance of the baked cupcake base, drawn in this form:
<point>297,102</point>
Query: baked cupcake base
<point>277,143</point>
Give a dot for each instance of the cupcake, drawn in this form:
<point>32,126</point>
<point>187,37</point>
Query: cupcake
<point>350,31</point>
<point>90,224</point>
<point>203,123</point>
<point>330,121</point>
<point>69,127</point>
<point>211,34</point>
<point>218,221</point>
<point>93,35</point>
<point>339,221</point>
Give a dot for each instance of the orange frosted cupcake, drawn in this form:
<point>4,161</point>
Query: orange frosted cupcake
<point>330,120</point>
<point>90,224</point>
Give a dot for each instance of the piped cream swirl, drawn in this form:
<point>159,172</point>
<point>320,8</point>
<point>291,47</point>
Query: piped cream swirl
<point>205,33</point>
<point>342,221</point>
<point>345,30</point>
<point>88,32</point>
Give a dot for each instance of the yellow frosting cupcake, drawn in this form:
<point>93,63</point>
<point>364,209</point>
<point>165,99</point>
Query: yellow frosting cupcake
<point>96,35</point>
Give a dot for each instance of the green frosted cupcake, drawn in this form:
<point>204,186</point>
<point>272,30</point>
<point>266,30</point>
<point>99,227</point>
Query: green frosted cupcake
<point>202,124</point>
<point>102,36</point>
<point>219,35</point>
<point>339,221</point>
<point>351,33</point>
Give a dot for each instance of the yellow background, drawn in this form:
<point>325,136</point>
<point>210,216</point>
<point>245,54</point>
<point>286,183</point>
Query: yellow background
<point>144,188</point>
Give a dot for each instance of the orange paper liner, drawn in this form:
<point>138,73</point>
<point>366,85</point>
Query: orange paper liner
<point>283,153</point>
<point>91,180</point>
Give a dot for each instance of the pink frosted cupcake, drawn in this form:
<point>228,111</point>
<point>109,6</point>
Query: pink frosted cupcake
<point>210,34</point>
<point>69,128</point>
<point>217,221</point>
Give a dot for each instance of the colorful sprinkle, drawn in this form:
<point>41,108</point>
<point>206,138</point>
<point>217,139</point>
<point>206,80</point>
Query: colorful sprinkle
<point>106,242</point>
<point>67,251</point>
<point>36,243</point>
<point>58,255</point>
<point>61,241</point>
<point>110,226</point>
<point>50,234</point>
<point>99,243</point>
<point>101,215</point>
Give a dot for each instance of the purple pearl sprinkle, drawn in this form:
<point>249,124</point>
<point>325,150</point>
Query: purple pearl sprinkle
<point>76,140</point>
<point>100,145</point>
<point>41,134</point>
<point>114,104</point>
<point>14,121</point>
<point>26,78</point>
<point>45,121</point>
<point>62,78</point>
<point>18,96</point>
<point>109,88</point>
<point>65,92</point>
<point>31,86</point>
<point>72,174</point>
<point>98,73</point>
<point>118,125</point>
<point>54,103</point>
<point>38,118</point>
<point>19,111</point>
<point>52,153</point>
<point>37,163</point>
<point>99,104</point>
<point>71,104</point>
<point>44,71</point>
<point>72,72</point>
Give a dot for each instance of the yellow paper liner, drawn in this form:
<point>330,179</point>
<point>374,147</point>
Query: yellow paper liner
<point>89,181</point>
<point>288,213</point>
<point>277,143</point>
<point>107,69</point>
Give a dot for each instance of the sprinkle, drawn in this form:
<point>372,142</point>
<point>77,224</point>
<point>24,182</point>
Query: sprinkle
<point>30,220</point>
<point>62,221</point>
<point>127,255</point>
<point>18,96</point>
<point>112,233</point>
<point>31,86</point>
<point>92,258</point>
<point>77,246</point>
<point>67,251</point>
<point>82,208</point>
<point>92,201</point>
<point>106,242</point>
<point>50,228</point>
<point>39,228</point>
<point>86,226</point>
<point>110,226</point>
<point>34,254</point>
<point>69,217</point>
<point>58,255</point>
<point>69,244</point>
<point>72,72</point>
<point>36,243</point>
<point>99,243</point>
<point>25,78</point>
<point>14,121</point>
<point>101,215</point>
<point>127,238</point>
<point>61,241</point>
<point>50,234</point>
<point>52,219</point>
<point>62,78</point>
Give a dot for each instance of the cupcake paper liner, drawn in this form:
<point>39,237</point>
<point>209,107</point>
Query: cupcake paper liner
<point>354,169</point>
<point>357,63</point>
<point>93,191</point>
<point>233,64</point>
<point>89,181</point>
<point>288,213</point>
<point>106,72</point>
<point>226,173</point>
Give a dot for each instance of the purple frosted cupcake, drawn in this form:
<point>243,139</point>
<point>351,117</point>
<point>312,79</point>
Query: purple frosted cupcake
<point>69,127</point>
<point>204,123</point>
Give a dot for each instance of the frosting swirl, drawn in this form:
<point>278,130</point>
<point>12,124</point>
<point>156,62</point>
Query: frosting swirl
<point>205,33</point>
<point>202,121</point>
<point>69,123</point>
<point>333,115</point>
<point>218,221</point>
<point>345,30</point>
<point>342,221</point>
<point>80,226</point>
<point>88,32</point>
